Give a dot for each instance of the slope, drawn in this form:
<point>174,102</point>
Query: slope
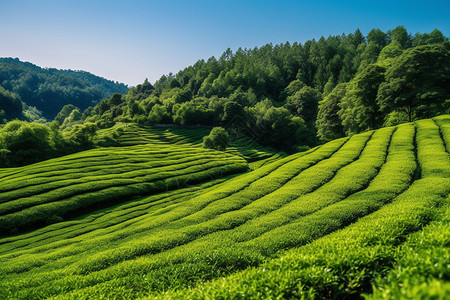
<point>329,222</point>
<point>50,89</point>
<point>46,192</point>
<point>133,134</point>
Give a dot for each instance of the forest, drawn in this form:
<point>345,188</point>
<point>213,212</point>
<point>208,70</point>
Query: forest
<point>44,91</point>
<point>288,96</point>
<point>293,95</point>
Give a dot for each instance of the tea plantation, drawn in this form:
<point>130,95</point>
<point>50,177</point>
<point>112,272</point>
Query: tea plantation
<point>240,145</point>
<point>157,217</point>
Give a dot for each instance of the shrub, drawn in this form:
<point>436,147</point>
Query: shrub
<point>217,139</point>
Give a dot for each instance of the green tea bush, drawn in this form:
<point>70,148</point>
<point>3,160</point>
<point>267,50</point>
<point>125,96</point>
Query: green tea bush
<point>366,256</point>
<point>365,216</point>
<point>44,192</point>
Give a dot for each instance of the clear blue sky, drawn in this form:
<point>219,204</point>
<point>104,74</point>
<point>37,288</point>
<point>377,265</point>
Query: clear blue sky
<point>128,41</point>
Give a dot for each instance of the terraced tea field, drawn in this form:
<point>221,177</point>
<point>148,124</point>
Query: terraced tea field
<point>364,215</point>
<point>47,191</point>
<point>241,145</point>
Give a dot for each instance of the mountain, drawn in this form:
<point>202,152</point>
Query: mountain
<point>49,89</point>
<point>159,217</point>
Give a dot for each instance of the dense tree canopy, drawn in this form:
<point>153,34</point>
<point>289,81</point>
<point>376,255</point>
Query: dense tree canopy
<point>403,85</point>
<point>23,142</point>
<point>273,92</point>
<point>418,83</point>
<point>359,108</point>
<point>328,123</point>
<point>11,106</point>
<point>284,95</point>
<point>50,89</point>
<point>304,103</point>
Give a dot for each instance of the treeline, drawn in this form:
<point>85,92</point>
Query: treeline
<point>23,142</point>
<point>48,90</point>
<point>401,86</point>
<point>295,94</point>
<point>11,106</point>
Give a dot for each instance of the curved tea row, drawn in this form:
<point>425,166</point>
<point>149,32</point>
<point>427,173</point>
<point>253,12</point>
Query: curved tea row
<point>330,221</point>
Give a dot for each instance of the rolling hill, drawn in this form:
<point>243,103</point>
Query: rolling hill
<point>49,89</point>
<point>361,215</point>
<point>134,134</point>
<point>43,192</point>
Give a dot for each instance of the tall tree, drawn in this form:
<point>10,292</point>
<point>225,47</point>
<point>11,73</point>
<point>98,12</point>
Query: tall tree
<point>418,82</point>
<point>433,37</point>
<point>11,105</point>
<point>231,111</point>
<point>304,104</point>
<point>359,108</point>
<point>400,34</point>
<point>378,37</point>
<point>328,123</point>
<point>64,113</point>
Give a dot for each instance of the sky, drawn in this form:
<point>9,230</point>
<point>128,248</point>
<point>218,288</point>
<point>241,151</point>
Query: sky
<point>129,41</point>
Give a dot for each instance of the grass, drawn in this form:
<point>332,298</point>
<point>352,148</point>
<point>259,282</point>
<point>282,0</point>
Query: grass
<point>360,216</point>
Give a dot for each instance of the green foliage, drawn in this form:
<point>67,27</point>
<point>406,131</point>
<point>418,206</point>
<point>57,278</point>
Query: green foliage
<point>392,50</point>
<point>194,114</point>
<point>32,114</point>
<point>279,127</point>
<point>296,77</point>
<point>217,139</point>
<point>400,35</point>
<point>11,106</point>
<point>82,135</point>
<point>354,217</point>
<point>328,122</point>
<point>231,111</point>
<point>75,117</point>
<point>304,103</point>
<point>393,84</point>
<point>142,91</point>
<point>158,115</point>
<point>292,88</point>
<point>64,113</point>
<point>418,82</point>
<point>370,54</point>
<point>378,37</point>
<point>116,99</point>
<point>50,89</point>
<point>433,37</point>
<point>359,108</point>
<point>25,143</point>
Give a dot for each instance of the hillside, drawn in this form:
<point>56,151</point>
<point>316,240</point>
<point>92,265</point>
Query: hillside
<point>296,95</point>
<point>134,134</point>
<point>49,89</point>
<point>45,193</point>
<point>366,214</point>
